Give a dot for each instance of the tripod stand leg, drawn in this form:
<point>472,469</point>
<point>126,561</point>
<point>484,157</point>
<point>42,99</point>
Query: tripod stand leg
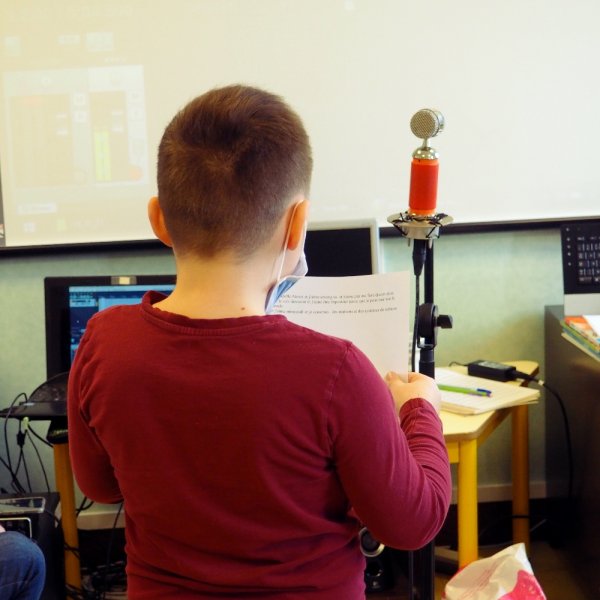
<point>422,573</point>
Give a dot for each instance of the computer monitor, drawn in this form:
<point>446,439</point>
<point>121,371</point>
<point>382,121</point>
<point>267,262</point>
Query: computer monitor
<point>71,301</point>
<point>332,249</point>
<point>580,243</point>
<point>342,248</point>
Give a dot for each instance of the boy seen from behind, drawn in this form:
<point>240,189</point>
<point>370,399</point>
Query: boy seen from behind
<point>248,450</point>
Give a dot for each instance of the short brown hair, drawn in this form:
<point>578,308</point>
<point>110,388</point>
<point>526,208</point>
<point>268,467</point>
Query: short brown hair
<point>229,163</point>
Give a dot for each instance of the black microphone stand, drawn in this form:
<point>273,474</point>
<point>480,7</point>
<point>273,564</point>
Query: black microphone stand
<point>423,230</point>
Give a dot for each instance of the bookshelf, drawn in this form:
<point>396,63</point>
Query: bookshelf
<point>574,522</point>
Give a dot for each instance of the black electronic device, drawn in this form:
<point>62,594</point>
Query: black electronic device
<point>47,401</point>
<point>22,505</point>
<point>20,524</point>
<point>489,369</point>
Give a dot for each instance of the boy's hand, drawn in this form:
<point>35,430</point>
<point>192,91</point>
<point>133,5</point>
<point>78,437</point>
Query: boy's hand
<point>418,386</point>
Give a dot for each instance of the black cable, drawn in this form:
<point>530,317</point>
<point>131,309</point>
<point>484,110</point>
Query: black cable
<point>5,464</point>
<point>563,410</point>
<point>38,436</point>
<point>8,463</point>
<point>109,550</point>
<point>21,436</point>
<point>567,426</point>
<point>561,404</point>
<point>415,336</point>
<point>28,434</point>
<point>23,460</point>
<point>83,506</point>
<point>18,467</point>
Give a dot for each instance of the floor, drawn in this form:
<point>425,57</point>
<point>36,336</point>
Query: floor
<point>551,568</point>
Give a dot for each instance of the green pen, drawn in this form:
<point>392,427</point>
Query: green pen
<point>464,390</point>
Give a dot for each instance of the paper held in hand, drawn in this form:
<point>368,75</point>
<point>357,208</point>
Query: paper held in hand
<point>369,310</point>
<point>503,395</point>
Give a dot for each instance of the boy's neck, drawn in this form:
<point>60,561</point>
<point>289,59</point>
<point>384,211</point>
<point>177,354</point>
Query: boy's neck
<point>219,288</point>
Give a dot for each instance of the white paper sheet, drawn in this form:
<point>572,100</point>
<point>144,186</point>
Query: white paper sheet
<point>369,310</point>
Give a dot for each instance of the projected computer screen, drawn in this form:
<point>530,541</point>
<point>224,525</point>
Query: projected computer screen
<point>87,88</point>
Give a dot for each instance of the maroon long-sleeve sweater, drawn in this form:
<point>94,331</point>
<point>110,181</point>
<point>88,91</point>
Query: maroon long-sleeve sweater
<point>240,447</point>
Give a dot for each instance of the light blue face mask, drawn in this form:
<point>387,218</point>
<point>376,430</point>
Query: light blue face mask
<point>283,284</point>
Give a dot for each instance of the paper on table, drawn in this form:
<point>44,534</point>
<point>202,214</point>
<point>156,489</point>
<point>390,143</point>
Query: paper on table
<point>503,394</point>
<point>369,310</point>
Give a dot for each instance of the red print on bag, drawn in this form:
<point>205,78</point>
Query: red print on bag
<point>526,588</point>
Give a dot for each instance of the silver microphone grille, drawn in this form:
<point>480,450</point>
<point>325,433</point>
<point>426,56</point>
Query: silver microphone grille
<point>427,123</point>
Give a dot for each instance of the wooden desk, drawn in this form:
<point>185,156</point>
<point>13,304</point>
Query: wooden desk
<point>463,435</point>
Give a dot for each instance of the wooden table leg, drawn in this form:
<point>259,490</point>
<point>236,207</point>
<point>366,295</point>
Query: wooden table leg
<point>520,474</point>
<point>468,544</point>
<point>64,485</point>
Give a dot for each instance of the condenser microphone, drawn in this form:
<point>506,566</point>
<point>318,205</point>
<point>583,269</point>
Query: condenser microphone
<point>425,124</point>
<point>421,221</point>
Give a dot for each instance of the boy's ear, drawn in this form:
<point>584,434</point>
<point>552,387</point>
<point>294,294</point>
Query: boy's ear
<point>157,221</point>
<point>298,223</point>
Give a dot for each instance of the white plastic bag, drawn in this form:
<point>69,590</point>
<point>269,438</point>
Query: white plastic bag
<point>506,575</point>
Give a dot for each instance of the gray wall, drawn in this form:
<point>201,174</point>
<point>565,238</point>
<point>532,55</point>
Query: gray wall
<point>495,285</point>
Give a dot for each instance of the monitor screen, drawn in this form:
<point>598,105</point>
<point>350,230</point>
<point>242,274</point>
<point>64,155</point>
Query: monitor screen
<point>71,301</point>
<point>85,300</point>
<point>332,250</point>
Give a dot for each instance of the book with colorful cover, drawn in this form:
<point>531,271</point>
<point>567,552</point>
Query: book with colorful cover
<point>585,325</point>
<point>581,331</point>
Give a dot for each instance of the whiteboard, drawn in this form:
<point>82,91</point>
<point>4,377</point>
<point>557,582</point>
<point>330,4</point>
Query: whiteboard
<point>89,85</point>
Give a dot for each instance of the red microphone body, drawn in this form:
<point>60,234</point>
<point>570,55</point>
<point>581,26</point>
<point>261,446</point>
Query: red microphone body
<point>423,186</point>
<point>425,124</point>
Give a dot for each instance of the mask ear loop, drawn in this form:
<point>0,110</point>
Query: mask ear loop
<point>284,250</point>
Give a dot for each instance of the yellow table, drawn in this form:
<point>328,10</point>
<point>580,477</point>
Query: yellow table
<point>463,435</point>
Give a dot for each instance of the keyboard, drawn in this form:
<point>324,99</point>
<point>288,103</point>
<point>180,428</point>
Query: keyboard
<point>587,252</point>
